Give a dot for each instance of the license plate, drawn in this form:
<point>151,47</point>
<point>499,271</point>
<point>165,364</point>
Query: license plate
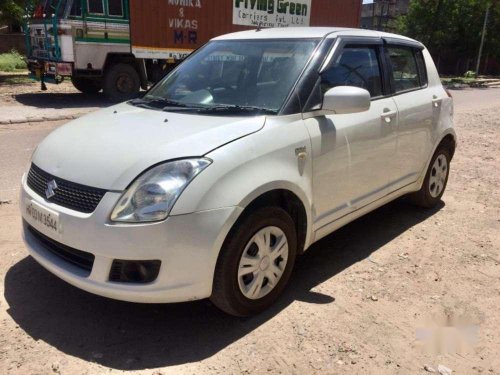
<point>41,218</point>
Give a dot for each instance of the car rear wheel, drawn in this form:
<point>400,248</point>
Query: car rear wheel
<point>435,180</point>
<point>86,85</point>
<point>255,262</point>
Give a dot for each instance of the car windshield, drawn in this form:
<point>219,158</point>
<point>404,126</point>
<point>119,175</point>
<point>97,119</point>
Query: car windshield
<point>234,76</point>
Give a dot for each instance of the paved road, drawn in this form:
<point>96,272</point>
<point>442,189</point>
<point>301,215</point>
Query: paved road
<point>25,102</point>
<point>472,99</point>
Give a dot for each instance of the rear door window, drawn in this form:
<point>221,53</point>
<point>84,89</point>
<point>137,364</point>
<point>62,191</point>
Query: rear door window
<point>422,69</point>
<point>356,66</point>
<point>406,74</point>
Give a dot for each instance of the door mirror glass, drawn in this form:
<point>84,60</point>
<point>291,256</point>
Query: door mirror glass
<point>344,100</point>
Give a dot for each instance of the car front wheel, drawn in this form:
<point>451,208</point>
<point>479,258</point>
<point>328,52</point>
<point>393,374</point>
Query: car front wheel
<point>255,262</point>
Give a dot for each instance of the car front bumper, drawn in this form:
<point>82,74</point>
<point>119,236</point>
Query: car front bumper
<point>187,245</point>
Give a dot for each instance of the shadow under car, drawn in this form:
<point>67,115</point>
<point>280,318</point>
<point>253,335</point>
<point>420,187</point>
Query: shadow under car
<point>124,335</point>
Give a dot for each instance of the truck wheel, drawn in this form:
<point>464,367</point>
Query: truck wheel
<point>86,85</point>
<point>255,262</point>
<point>121,82</point>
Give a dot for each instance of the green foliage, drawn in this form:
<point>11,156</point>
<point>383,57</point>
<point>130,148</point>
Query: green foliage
<point>470,74</point>
<point>453,25</point>
<point>11,12</point>
<point>11,61</point>
<point>15,80</point>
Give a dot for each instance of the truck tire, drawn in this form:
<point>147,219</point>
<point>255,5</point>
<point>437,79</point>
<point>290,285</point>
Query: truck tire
<point>121,82</point>
<point>86,85</point>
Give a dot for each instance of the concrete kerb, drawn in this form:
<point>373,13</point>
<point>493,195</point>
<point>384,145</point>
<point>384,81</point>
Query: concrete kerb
<point>29,119</point>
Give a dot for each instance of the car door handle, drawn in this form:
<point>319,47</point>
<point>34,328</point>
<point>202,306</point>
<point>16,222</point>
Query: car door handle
<point>436,102</point>
<point>388,114</point>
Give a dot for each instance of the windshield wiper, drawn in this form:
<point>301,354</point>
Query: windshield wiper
<point>140,103</point>
<point>155,102</point>
<point>236,109</point>
<point>168,105</point>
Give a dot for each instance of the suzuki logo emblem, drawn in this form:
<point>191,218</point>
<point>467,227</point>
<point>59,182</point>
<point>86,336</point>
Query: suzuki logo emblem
<point>51,187</point>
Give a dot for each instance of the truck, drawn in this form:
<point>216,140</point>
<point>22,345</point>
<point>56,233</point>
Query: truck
<point>121,46</point>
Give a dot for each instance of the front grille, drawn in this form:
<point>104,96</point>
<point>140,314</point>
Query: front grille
<point>67,194</point>
<point>78,258</point>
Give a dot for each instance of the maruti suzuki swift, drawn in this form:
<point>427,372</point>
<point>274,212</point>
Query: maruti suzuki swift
<point>256,146</point>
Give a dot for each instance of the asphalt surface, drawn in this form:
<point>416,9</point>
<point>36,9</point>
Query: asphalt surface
<point>23,101</point>
<point>475,99</point>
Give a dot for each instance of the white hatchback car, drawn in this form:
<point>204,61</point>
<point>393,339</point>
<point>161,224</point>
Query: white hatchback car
<point>258,145</point>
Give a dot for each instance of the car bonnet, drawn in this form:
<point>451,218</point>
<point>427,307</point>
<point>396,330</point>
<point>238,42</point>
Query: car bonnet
<point>109,148</point>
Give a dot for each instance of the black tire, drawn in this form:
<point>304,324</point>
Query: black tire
<point>86,85</point>
<point>121,82</point>
<point>226,293</point>
<point>423,197</point>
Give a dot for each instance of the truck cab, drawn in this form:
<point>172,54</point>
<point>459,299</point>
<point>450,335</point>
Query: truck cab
<point>87,41</point>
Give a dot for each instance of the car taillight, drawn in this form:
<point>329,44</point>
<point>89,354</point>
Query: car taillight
<point>448,93</point>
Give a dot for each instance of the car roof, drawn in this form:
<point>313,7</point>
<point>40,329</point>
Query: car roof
<point>308,32</point>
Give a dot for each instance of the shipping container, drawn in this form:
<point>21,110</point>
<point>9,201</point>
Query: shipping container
<point>173,28</point>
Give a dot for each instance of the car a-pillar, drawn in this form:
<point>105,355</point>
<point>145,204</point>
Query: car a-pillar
<point>123,77</point>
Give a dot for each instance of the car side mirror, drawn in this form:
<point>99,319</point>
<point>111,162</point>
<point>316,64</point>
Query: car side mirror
<point>345,99</point>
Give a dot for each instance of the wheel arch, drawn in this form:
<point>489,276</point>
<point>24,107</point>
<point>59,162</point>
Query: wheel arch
<point>449,142</point>
<point>287,200</point>
<point>447,138</point>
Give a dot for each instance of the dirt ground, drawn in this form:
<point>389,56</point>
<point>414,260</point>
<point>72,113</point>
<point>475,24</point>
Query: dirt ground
<point>397,290</point>
<point>22,98</point>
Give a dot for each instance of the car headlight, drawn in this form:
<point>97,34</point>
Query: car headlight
<point>153,194</point>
